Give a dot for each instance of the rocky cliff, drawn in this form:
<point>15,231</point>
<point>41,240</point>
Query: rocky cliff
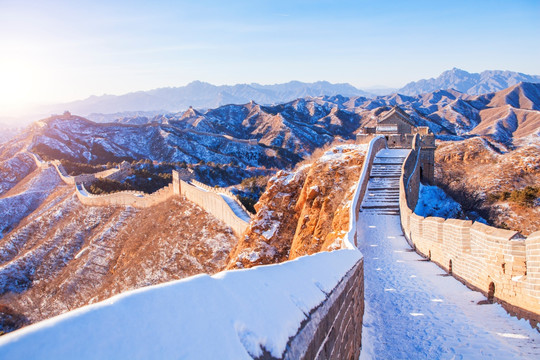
<point>303,211</point>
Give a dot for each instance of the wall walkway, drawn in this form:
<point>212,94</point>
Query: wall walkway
<point>411,310</point>
<point>500,263</point>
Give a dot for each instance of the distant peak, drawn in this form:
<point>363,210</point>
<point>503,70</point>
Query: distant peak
<point>199,83</point>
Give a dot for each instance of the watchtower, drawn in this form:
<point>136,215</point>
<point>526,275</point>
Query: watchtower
<point>399,129</point>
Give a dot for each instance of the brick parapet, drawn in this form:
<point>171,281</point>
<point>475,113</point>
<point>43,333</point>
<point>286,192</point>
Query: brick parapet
<point>214,204</point>
<point>219,190</point>
<point>333,330</point>
<point>481,256</point>
<point>136,199</point>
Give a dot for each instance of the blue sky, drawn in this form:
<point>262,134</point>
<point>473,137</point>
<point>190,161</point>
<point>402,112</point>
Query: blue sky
<point>64,50</point>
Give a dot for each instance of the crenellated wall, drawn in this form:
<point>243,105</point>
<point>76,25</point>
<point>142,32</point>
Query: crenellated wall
<point>219,190</point>
<point>136,199</point>
<point>212,202</point>
<point>308,308</point>
<point>500,263</point>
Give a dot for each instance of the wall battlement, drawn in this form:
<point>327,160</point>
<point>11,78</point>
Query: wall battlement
<point>213,203</point>
<point>500,263</point>
<point>136,199</point>
<point>223,191</point>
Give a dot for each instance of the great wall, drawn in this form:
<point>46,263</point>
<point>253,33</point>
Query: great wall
<point>502,264</point>
<point>325,291</point>
<point>221,203</point>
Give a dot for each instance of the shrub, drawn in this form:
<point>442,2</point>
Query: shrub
<point>525,196</point>
<point>108,186</point>
<point>248,202</point>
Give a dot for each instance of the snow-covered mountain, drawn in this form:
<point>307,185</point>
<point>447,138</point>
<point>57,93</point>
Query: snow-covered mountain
<point>204,95</point>
<point>469,83</point>
<point>43,215</point>
<point>279,135</point>
<point>248,135</point>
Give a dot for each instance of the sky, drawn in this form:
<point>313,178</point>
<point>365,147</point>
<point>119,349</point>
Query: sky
<point>59,51</point>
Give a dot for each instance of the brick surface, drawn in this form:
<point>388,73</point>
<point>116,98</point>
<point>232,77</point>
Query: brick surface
<point>480,254</point>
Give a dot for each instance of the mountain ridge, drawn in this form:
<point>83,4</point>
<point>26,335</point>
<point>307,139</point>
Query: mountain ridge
<point>487,81</point>
<point>204,95</point>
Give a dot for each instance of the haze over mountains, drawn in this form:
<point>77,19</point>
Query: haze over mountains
<point>203,95</point>
<point>279,135</point>
<point>469,83</point>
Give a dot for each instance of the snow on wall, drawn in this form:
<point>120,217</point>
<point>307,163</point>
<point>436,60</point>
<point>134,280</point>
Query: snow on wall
<point>232,315</point>
<point>376,144</point>
<point>214,203</point>
<point>308,308</point>
<point>500,263</point>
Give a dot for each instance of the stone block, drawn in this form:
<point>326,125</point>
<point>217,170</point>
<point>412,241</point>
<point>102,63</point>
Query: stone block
<point>457,235</point>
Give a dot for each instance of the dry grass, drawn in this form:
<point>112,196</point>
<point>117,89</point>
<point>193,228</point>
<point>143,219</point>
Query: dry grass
<point>477,176</point>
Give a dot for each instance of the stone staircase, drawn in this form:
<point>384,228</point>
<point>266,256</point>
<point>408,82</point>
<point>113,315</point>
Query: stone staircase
<point>382,195</point>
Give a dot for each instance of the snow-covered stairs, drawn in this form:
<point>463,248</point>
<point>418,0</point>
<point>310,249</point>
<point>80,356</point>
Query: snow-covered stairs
<point>382,195</point>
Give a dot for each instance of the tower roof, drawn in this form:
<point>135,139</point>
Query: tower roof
<point>396,110</point>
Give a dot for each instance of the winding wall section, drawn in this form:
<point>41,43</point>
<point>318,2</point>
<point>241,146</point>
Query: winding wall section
<point>308,308</point>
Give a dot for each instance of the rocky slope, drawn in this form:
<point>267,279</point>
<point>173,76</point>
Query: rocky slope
<point>302,211</point>
<point>470,83</point>
<point>475,170</point>
<point>64,255</point>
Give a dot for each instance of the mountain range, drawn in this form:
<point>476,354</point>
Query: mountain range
<point>469,83</point>
<point>203,95</point>
<point>278,135</point>
<point>57,254</point>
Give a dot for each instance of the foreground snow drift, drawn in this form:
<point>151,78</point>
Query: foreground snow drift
<point>232,314</point>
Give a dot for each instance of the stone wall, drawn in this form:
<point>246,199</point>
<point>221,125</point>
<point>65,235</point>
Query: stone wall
<point>213,203</point>
<point>219,190</point>
<point>500,263</point>
<point>334,328</point>
<point>136,199</point>
<point>113,174</point>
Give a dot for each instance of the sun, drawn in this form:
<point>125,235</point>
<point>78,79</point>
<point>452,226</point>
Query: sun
<point>20,82</point>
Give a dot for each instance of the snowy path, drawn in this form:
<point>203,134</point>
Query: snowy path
<point>236,208</point>
<point>412,309</point>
